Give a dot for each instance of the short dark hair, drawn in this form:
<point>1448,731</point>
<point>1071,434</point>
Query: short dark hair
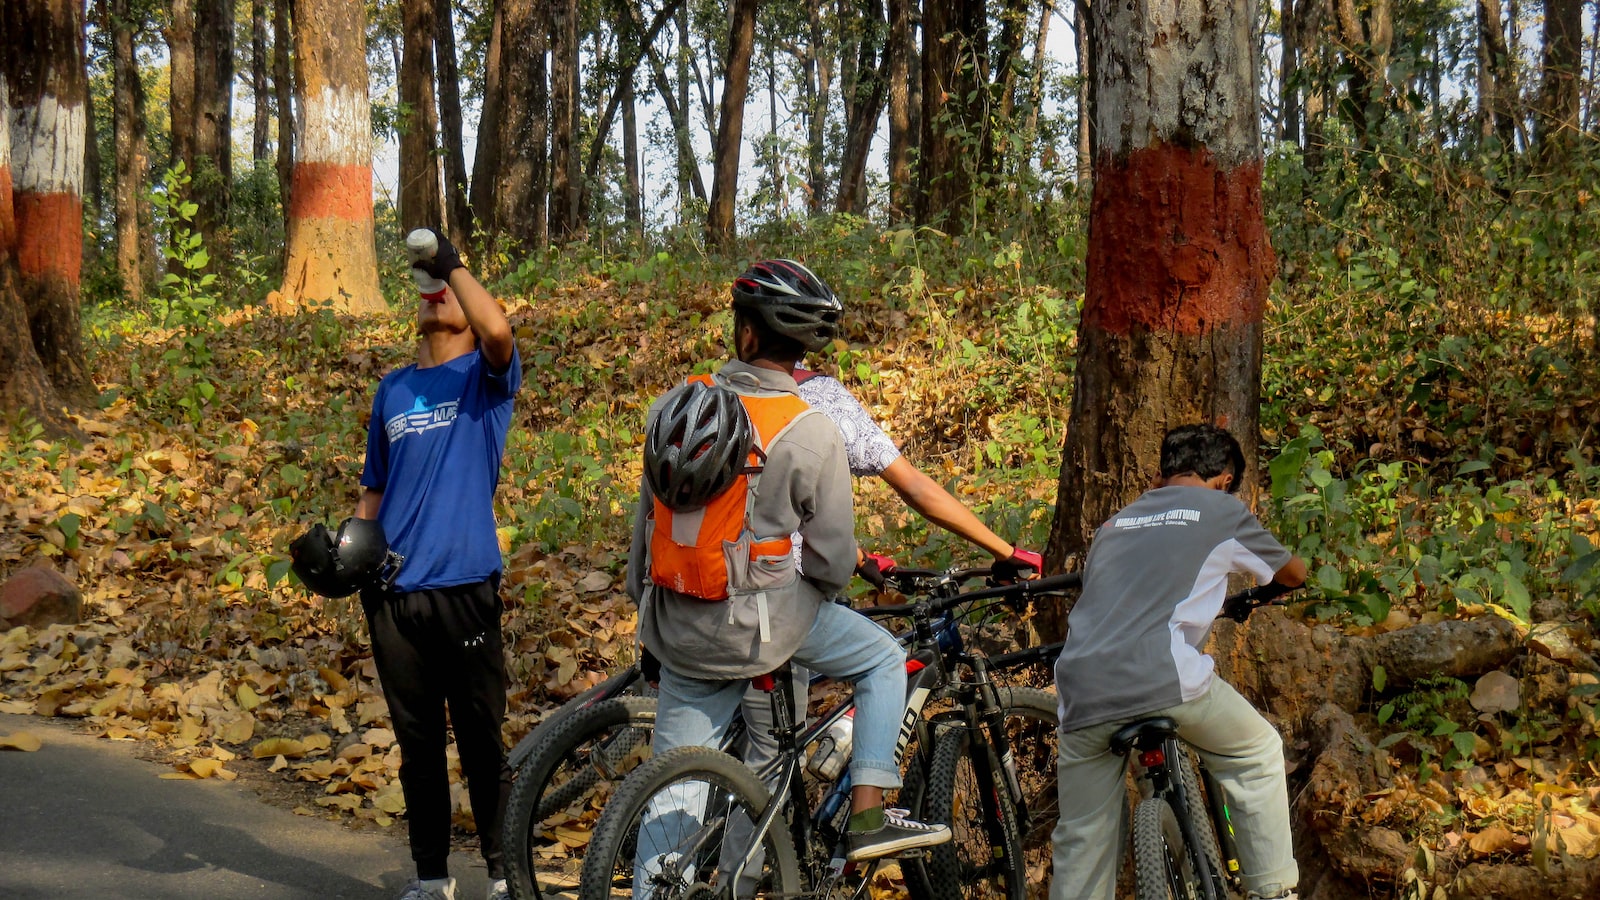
<point>769,344</point>
<point>1203,450</point>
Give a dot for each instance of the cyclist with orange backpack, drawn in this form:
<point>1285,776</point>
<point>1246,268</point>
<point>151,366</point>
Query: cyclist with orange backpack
<point>735,464</point>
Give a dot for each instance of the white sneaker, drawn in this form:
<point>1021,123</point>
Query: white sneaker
<point>499,890</point>
<point>432,889</point>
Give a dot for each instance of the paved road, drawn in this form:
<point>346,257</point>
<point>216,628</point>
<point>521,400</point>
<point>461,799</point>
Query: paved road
<point>83,817</point>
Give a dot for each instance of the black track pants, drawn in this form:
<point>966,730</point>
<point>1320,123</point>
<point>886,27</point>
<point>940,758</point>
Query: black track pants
<point>434,648</point>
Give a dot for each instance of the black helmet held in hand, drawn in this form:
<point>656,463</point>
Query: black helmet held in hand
<point>791,300</point>
<point>697,444</point>
<point>338,565</point>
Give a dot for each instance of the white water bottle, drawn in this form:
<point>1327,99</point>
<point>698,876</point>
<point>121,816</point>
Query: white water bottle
<point>421,246</point>
<point>833,748</point>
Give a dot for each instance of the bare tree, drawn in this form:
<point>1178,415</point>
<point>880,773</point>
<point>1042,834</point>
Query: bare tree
<point>283,94</point>
<point>132,152</point>
<point>457,211</point>
<point>1557,125</point>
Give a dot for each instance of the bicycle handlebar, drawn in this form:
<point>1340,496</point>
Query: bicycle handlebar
<point>1239,606</point>
<point>1013,593</point>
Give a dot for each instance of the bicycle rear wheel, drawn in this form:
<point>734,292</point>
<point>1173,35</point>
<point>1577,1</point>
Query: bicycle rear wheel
<point>1164,866</point>
<point>666,833</point>
<point>562,786</point>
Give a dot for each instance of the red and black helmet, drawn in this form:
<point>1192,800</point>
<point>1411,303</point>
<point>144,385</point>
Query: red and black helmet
<point>696,445</point>
<point>791,300</point>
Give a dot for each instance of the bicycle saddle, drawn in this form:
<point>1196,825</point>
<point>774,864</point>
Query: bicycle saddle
<point>1138,734</point>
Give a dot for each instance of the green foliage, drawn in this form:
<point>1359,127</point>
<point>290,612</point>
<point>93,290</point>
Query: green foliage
<point>185,301</point>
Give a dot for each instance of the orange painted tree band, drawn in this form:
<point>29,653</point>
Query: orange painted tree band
<point>1212,273</point>
<point>50,235</point>
<point>323,190</point>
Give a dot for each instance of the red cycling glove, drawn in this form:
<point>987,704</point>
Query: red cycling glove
<point>1019,565</point>
<point>873,567</point>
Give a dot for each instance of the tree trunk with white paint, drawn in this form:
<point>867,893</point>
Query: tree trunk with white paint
<point>330,246</point>
<point>48,118</point>
<point>24,387</point>
<point>1178,262</point>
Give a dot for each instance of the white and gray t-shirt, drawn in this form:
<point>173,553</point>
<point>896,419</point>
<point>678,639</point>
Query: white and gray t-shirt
<point>869,449</point>
<point>1154,581</point>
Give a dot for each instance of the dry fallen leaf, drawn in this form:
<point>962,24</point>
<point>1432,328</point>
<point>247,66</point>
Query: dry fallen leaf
<point>22,740</point>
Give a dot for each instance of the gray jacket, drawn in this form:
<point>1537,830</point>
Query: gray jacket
<point>805,488</point>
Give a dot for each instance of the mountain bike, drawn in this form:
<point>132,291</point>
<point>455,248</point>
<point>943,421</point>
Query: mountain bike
<point>1183,841</point>
<point>568,766</point>
<point>999,847</point>
<point>676,827</point>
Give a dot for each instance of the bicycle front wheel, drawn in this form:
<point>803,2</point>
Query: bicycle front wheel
<point>560,788</point>
<point>966,791</point>
<point>679,825</point>
<point>1164,867</point>
<point>1032,729</point>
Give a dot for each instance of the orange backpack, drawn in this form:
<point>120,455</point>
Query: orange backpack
<point>710,552</point>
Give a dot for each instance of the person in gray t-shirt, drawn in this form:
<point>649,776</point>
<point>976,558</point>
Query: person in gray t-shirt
<point>1154,581</point>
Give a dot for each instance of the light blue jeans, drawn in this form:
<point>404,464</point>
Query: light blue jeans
<point>1239,747</point>
<point>843,645</point>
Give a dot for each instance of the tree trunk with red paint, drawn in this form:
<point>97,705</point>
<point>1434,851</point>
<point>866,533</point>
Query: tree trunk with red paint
<point>24,387</point>
<point>1178,262</point>
<point>331,258</point>
<point>49,115</point>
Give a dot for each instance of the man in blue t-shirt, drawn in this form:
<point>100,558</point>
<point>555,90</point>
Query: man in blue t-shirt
<point>434,446</point>
<point>1154,580</point>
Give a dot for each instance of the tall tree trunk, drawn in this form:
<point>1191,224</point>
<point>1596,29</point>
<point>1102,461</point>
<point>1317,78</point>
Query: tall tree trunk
<point>690,183</point>
<point>1314,58</point>
<point>634,206</point>
<point>1289,89</point>
<point>421,204</point>
<point>861,123</point>
<point>952,112</point>
<point>680,118</point>
<point>565,50</point>
<point>1030,129</point>
<point>1368,32</point>
<point>902,189</point>
<point>486,159</point>
<point>180,81</point>
<point>1556,128</point>
<point>283,92</point>
<point>213,106</point>
<point>1083,38</point>
<point>780,206</point>
<point>819,77</point>
<point>633,36</point>
<point>730,128</point>
<point>519,190</point>
<point>132,151</point>
<point>1178,261</point>
<point>260,95</point>
<point>49,106</point>
<point>25,387</point>
<point>332,258</point>
<point>458,214</point>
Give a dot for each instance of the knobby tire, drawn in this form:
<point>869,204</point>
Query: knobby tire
<point>1163,867</point>
<point>560,781</point>
<point>608,867</point>
<point>965,791</point>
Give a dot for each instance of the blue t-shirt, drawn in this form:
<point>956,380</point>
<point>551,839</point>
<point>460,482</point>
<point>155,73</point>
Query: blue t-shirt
<point>433,448</point>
